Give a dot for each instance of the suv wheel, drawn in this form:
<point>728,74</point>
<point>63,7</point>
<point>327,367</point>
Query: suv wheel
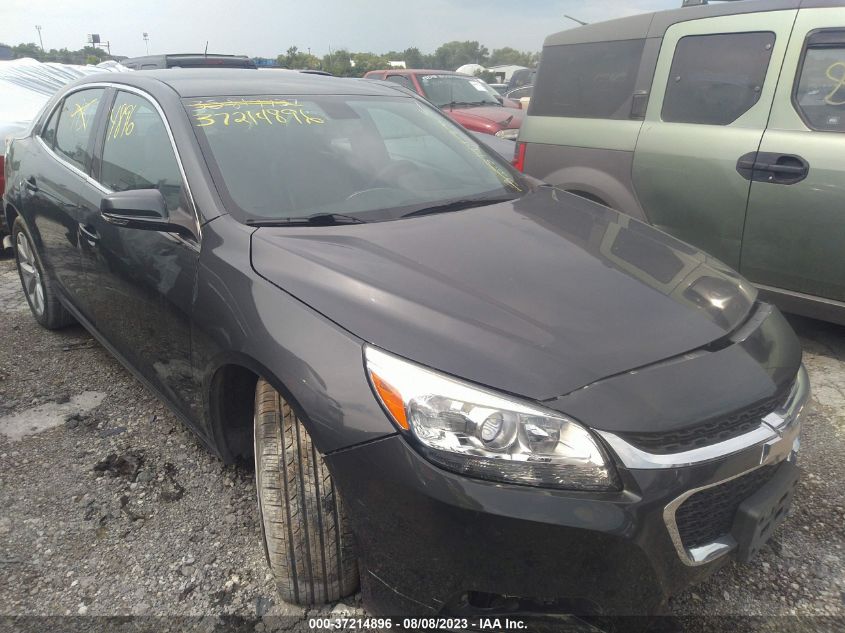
<point>37,286</point>
<point>307,536</point>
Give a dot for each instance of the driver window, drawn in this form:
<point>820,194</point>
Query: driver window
<point>137,153</point>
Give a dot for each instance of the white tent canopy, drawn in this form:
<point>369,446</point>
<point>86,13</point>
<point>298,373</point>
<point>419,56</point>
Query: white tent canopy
<point>26,85</point>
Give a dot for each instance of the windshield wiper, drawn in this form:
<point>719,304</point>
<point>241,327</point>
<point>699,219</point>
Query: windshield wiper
<point>318,219</point>
<point>472,103</point>
<point>457,205</point>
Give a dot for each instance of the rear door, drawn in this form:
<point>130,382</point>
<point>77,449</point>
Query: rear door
<point>795,231</point>
<point>713,88</point>
<point>58,180</point>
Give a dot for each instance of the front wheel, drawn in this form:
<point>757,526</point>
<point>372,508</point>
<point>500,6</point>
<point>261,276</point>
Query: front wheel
<point>307,537</point>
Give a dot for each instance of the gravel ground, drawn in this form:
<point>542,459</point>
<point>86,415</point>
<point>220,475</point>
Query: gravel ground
<point>109,506</point>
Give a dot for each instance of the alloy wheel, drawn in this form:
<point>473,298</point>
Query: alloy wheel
<point>30,276</point>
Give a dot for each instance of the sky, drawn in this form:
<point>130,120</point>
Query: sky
<point>266,28</point>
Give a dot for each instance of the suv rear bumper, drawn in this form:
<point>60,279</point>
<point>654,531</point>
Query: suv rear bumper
<point>427,537</point>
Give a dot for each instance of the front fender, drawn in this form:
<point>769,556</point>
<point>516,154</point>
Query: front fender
<point>241,318</point>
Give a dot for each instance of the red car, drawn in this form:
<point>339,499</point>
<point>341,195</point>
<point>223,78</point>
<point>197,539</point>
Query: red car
<point>467,100</point>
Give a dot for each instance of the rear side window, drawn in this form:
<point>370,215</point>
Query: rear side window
<point>137,153</point>
<point>715,79</point>
<point>48,134</point>
<point>594,80</point>
<point>76,125</point>
<point>820,90</point>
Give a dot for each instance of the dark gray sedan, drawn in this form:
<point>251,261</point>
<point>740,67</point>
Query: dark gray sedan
<point>466,390</point>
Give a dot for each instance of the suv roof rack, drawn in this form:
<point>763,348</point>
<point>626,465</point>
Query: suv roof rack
<point>698,3</point>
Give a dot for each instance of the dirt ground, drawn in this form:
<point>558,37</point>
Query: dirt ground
<point>109,506</point>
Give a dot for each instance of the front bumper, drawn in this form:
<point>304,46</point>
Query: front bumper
<point>426,537</point>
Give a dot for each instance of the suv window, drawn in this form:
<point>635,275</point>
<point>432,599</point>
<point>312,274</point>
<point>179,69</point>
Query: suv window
<point>137,153</point>
<point>594,80</point>
<point>820,92</point>
<point>76,125</point>
<point>402,80</point>
<point>715,79</point>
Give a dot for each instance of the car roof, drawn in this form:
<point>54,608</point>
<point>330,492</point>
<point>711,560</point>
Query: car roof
<point>204,82</point>
<point>655,24</point>
<point>418,71</point>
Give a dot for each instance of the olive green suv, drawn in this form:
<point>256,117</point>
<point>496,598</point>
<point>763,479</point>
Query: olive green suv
<point>720,124</point>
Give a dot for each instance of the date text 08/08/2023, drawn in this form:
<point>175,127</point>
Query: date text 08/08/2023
<point>434,624</point>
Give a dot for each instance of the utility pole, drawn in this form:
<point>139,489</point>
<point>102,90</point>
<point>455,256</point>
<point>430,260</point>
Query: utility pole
<point>147,41</point>
<point>40,41</point>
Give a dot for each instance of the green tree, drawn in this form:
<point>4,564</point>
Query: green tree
<point>486,75</point>
<point>452,55</point>
<point>337,63</point>
<point>365,62</point>
<point>508,55</point>
<point>28,50</point>
<point>86,55</point>
<point>414,58</point>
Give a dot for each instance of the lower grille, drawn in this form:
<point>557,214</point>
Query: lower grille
<point>711,431</point>
<point>709,514</point>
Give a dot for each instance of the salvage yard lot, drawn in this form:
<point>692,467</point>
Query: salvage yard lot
<point>109,506</point>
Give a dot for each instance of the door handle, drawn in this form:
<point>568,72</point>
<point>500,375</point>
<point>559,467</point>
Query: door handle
<point>90,234</point>
<point>780,169</point>
<point>29,184</point>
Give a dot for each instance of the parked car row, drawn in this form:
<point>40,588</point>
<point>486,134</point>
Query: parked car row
<point>467,100</point>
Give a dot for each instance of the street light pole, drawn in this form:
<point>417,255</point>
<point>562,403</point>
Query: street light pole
<point>40,41</point>
<point>147,42</point>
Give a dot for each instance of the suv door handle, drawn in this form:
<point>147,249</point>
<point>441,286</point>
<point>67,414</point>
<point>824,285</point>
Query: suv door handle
<point>29,184</point>
<point>781,169</point>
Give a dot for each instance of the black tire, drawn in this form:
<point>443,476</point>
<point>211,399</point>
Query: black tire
<point>38,287</point>
<point>307,536</point>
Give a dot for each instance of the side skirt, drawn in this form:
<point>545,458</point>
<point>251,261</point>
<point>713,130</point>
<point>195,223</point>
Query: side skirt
<point>804,304</point>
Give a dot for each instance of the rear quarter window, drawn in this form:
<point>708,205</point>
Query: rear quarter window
<point>593,80</point>
<point>717,78</point>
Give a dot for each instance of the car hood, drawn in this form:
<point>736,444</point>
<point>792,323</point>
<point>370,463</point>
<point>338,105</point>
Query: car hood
<point>536,297</point>
<point>502,117</point>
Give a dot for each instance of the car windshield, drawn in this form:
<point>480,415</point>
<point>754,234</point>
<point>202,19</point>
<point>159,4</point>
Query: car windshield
<point>360,157</point>
<point>443,90</point>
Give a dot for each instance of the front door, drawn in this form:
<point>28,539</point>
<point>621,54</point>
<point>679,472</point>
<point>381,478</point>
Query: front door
<point>795,232</point>
<point>710,100</point>
<point>144,279</point>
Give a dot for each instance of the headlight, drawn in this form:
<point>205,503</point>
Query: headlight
<point>510,134</point>
<point>478,433</point>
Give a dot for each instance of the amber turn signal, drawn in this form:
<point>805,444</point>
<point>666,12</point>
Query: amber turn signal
<point>391,399</point>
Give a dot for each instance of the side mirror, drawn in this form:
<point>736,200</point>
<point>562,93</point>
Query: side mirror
<point>138,209</point>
